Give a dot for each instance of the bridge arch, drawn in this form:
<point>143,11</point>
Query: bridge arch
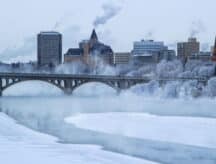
<point>69,83</point>
<point>108,84</point>
<point>13,83</point>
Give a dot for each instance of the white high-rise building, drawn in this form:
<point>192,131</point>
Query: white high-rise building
<point>148,47</point>
<point>151,52</point>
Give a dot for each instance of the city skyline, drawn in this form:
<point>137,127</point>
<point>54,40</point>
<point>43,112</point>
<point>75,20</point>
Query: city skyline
<point>107,82</point>
<point>137,15</point>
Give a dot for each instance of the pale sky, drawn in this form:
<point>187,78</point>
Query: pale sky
<point>164,20</point>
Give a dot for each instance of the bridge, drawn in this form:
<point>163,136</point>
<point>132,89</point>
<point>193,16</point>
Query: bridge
<point>68,83</point>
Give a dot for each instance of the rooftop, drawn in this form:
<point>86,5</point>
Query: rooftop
<point>149,42</point>
<point>101,48</point>
<point>49,33</point>
<point>191,39</point>
<point>75,51</point>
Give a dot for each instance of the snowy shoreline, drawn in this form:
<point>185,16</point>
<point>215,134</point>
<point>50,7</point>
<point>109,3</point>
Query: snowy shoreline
<point>146,126</point>
<point>47,114</point>
<point>22,145</point>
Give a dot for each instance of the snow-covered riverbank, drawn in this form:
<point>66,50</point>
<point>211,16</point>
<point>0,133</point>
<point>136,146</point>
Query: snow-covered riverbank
<point>21,145</point>
<point>47,115</point>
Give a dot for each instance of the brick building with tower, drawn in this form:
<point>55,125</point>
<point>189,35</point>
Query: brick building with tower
<point>90,52</point>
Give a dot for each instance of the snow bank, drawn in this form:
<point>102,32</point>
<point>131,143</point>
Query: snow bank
<point>47,115</point>
<point>183,130</point>
<point>22,145</point>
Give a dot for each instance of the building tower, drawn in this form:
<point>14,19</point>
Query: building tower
<point>49,46</point>
<point>93,39</point>
<point>214,53</point>
<point>90,51</point>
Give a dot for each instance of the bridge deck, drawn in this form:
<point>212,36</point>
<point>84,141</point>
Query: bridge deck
<point>94,77</point>
<point>70,76</point>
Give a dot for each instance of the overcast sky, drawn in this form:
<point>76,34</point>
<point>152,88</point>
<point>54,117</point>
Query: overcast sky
<point>127,21</point>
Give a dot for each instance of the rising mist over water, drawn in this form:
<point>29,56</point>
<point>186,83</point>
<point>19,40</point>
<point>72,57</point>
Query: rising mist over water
<point>44,108</point>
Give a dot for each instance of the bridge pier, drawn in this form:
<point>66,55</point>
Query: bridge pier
<point>68,91</point>
<point>68,87</point>
<point>122,85</point>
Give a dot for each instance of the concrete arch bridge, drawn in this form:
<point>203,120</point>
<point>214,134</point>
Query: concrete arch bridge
<point>68,83</point>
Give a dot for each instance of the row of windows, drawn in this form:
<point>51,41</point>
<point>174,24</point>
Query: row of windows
<point>148,43</point>
<point>149,46</point>
<point>147,50</point>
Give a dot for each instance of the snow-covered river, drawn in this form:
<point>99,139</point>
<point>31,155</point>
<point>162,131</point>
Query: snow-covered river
<point>106,129</point>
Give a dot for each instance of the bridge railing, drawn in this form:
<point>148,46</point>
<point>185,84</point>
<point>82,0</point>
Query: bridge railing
<point>97,77</point>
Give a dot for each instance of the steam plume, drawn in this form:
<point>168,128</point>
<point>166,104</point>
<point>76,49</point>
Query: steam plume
<point>110,11</point>
<point>149,35</point>
<point>196,28</point>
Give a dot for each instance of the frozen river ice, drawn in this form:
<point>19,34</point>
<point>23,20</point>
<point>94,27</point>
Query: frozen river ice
<point>140,129</point>
<point>192,131</point>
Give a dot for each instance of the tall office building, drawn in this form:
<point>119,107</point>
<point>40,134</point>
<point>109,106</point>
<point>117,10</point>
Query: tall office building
<point>187,49</point>
<point>49,48</point>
